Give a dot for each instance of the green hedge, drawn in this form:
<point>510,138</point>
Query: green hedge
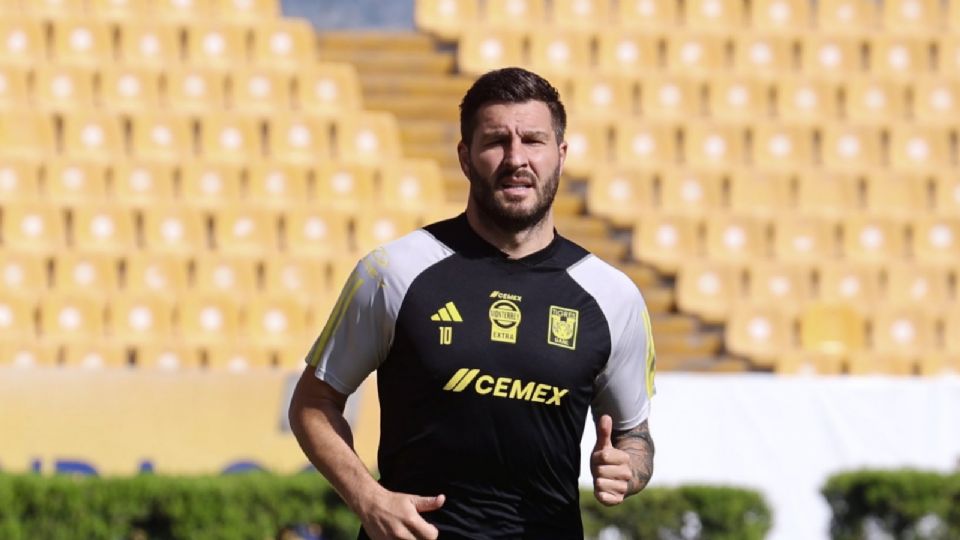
<point>906,504</point>
<point>255,505</point>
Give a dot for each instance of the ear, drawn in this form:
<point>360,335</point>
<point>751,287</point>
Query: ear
<point>562,148</point>
<point>463,154</point>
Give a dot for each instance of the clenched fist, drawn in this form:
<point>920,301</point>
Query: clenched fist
<point>610,466</point>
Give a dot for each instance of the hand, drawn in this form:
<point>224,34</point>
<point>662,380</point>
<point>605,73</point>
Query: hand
<point>396,516</point>
<point>610,466</point>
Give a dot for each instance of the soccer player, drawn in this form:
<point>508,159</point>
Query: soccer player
<point>491,336</point>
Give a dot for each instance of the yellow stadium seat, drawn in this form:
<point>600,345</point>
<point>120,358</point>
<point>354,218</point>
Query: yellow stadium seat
<point>15,92</point>
<point>951,334</point>
<point>245,231</point>
<point>696,54</point>
<point>846,16</point>
<point>377,226</point>
<point>760,194</point>
<point>368,137</point>
<point>411,184</point>
<point>801,100</point>
<point>216,45</point>
<point>780,147</point>
<point>328,88</point>
<point>804,239</point>
<point>850,148</point>
<point>626,51</point>
<point>285,44</point>
<point>846,282</point>
<point>296,277</point>
<point>346,186</point>
<point>879,363</point>
<point>513,13</point>
<point>210,185</point>
<point>28,353</point>
<point>648,14</point>
<point>154,274</point>
<point>103,228</point>
<point>53,9</point>
<point>125,11</point>
<point>936,240</point>
<point>142,183</point>
<point>235,357</point>
<point>34,226</point>
<point>897,196</point>
<point>709,289</point>
<point>69,181</point>
<point>786,286</point>
<point>231,139</point>
<point>69,318</point>
<point>140,319</point>
<point>161,137</point>
<point>645,145</point>
<point>620,194</point>
<point>920,149</point>
<point>23,41</point>
<point>483,49</point>
<point>922,286</point>
<point>129,89</point>
<point>834,56</point>
<point>666,242</point>
<point>765,55</point>
<point>234,277</point>
<point>905,332</point>
<point>871,239</point>
<point>736,239</point>
<point>23,273</point>
<point>182,10</point>
<point>604,96</point>
<point>714,146</point>
<point>714,15</point>
<point>946,200</point>
<point>63,87</point>
<point>276,321</point>
<point>206,319</point>
<point>17,318</point>
<point>174,229</point>
<point>94,354</point>
<point>298,139</point>
<point>254,11</point>
<point>259,90</point>
<point>195,90</point>
<point>278,185</point>
<point>873,101</point>
<point>81,41</point>
<point>669,97</point>
<point>948,53</point>
<point>560,52</point>
<point>832,329</point>
<point>762,333</point>
<point>168,356</point>
<point>936,364</point>
<point>828,195</point>
<point>738,98</point>
<point>690,192</point>
<point>148,43</point>
<point>587,145</point>
<point>316,233</point>
<point>936,100</point>
<point>581,14</point>
<point>94,135</point>
<point>446,19</point>
<point>781,15</point>
<point>899,56</point>
<point>912,16</point>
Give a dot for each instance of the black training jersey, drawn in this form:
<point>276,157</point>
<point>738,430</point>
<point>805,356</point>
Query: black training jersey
<point>486,367</point>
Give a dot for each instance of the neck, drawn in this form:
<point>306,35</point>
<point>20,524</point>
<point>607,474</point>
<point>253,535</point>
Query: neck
<point>515,244</point>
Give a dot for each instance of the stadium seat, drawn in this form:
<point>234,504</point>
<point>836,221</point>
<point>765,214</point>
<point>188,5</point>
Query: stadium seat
<point>368,137</point>
<point>828,195</point>
<point>922,286</point>
<point>936,100</point>
<point>896,195</point>
<point>920,149</point>
<point>137,320</point>
<point>231,139</point>
<point>879,363</point>
<point>904,332</point>
<point>259,91</point>
<point>483,49</point>
<point>899,56</point>
<point>874,101</point>
<point>15,91</point>
<point>696,54</point>
<point>252,11</point>
<point>835,56</point>
<point>276,321</point>
<point>70,181</point>
<point>736,239</point>
<point>182,10</point>
<point>248,231</point>
<point>302,278</point>
<point>119,11</point>
<point>846,282</point>
<point>804,239</point>
<point>154,274</point>
<point>94,354</point>
<point>298,139</point>
<point>806,363</point>
<point>713,146</point>
<point>411,184</point>
<point>691,192</point>
<point>872,239</point>
<point>786,286</point>
<point>235,357</point>
<point>561,52</point>
<point>210,185</point>
<point>513,13</point>
<point>230,276</point>
<point>103,228</point>
<point>788,16</point>
<point>622,51</point>
<point>709,289</point>
<point>93,135</point>
<point>666,242</point>
<point>174,229</point>
<point>581,14</point>
<point>620,194</point>
<point>52,9</point>
<point>23,273</point>
<point>129,89</point>
<point>447,19</point>
<point>278,185</point>
<point>802,100</point>
<point>195,90</point>
<point>762,333</point>
<point>670,97</point>
<point>850,148</point>
<point>159,136</point>
<point>648,14</point>
<point>604,96</point>
<point>737,98</point>
<point>377,226</point>
<point>284,44</point>
<point>169,356</point>
<point>714,15</point>
<point>328,88</point>
<point>587,145</point>
<point>347,186</point>
<point>832,329</point>
<point>63,87</point>
<point>922,17</point>
<point>781,147</point>
<point>19,180</point>
<point>951,334</point>
<point>936,240</point>
<point>148,43</point>
<point>757,194</point>
<point>937,364</point>
<point>946,200</point>
<point>138,184</point>
<point>846,16</point>
<point>204,319</point>
<point>17,318</point>
<point>34,226</point>
<point>948,53</point>
<point>86,273</point>
<point>764,55</point>
<point>81,42</point>
<point>316,233</point>
<point>650,145</point>
<point>66,318</point>
<point>216,45</point>
<point>23,41</point>
<point>27,353</point>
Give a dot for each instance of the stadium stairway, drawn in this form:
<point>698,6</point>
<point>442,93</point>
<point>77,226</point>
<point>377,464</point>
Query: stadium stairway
<point>414,76</point>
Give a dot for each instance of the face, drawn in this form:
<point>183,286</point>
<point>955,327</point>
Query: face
<point>513,164</point>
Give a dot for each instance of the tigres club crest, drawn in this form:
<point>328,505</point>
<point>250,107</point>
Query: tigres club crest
<point>563,327</point>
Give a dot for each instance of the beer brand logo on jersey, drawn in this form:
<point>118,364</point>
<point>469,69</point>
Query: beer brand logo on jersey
<point>562,330</point>
<point>505,387</point>
<point>504,321</point>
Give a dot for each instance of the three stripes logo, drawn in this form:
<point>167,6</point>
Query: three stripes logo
<point>448,313</point>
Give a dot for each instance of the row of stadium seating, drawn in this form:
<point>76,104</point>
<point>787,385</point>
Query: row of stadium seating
<point>760,54</point>
<point>450,18</point>
<point>245,10</point>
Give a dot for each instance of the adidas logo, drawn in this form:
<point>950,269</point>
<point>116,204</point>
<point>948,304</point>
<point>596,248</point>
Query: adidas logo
<point>448,313</point>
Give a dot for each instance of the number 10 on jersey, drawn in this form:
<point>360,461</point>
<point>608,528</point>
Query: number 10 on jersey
<point>446,335</point>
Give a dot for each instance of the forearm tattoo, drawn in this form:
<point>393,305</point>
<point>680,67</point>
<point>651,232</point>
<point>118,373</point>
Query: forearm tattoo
<point>638,443</point>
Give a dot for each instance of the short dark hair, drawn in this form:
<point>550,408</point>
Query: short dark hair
<point>510,85</point>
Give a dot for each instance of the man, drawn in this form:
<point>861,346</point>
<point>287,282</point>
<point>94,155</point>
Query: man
<point>491,335</point>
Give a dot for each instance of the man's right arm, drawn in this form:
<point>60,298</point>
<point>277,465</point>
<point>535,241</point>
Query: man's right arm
<point>316,417</point>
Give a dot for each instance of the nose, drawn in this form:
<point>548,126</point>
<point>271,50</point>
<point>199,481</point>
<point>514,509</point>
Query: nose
<point>515,153</point>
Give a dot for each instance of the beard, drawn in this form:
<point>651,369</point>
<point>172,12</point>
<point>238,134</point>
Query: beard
<point>512,218</point>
